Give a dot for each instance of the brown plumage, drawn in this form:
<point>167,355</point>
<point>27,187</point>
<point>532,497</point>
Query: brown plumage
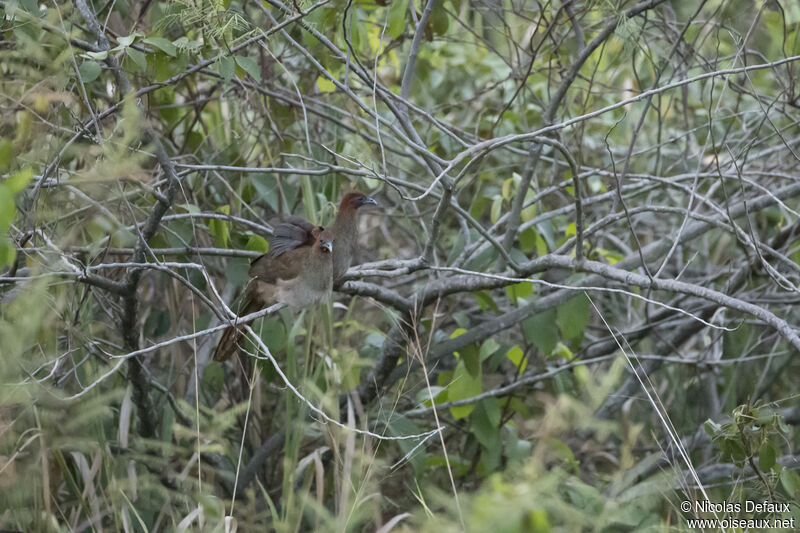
<point>290,273</point>
<point>297,271</point>
<point>296,230</point>
<point>289,233</point>
<point>345,231</point>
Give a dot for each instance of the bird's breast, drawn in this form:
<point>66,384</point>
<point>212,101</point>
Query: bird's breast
<point>306,290</point>
<point>344,251</point>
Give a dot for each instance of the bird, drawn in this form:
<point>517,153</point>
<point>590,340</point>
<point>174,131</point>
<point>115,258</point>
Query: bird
<point>296,271</point>
<point>291,232</point>
<point>345,231</point>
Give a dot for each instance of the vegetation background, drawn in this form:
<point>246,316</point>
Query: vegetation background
<point>570,191</point>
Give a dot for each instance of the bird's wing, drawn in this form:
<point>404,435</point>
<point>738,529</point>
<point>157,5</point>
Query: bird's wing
<point>289,234</point>
<point>270,269</point>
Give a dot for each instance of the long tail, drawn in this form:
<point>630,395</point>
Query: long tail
<point>228,343</point>
<point>233,335</point>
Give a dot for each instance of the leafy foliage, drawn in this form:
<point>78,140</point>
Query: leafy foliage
<point>579,308</point>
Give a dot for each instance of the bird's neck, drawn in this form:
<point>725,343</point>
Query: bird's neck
<point>345,231</point>
<point>346,223</point>
<point>319,270</point>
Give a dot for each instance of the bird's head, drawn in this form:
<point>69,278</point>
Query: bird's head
<point>324,240</point>
<point>355,200</point>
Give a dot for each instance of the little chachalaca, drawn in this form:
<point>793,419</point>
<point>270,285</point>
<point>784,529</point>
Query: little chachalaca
<point>345,231</point>
<point>297,271</point>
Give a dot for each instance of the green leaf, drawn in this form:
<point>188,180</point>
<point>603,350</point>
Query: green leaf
<point>584,496</point>
<point>541,245</point>
<point>397,18</point>
<point>516,449</point>
<point>8,253</point>
<point>438,393</point>
<point>517,356</point>
<point>126,40</point>
<point>18,181</point>
<point>791,482</point>
<point>99,56</point>
<point>712,428</point>
<point>8,210</point>
<point>137,57</point>
<point>89,71</point>
<point>492,408</point>
<point>541,331</point>
<point>572,317</point>
<point>519,290</point>
<point>582,375</point>
<point>220,229</point>
<point>505,190</point>
<point>463,386</point>
<point>190,208</point>
<point>562,351</point>
<point>325,85</point>
<point>612,258</point>
<point>528,240</point>
<point>31,6</point>
<point>257,243</point>
<point>488,348</point>
<point>358,31</point>
<point>496,210</point>
<point>398,426</point>
<point>250,66</point>
<point>485,301</point>
<point>484,422</point>
<point>470,355</point>
<point>545,232</point>
<point>733,451</point>
<point>792,13</point>
<point>6,153</point>
<point>457,333</point>
<point>226,67</point>
<point>273,333</point>
<point>537,518</point>
<point>165,45</point>
<point>766,457</point>
<point>183,43</point>
<point>439,21</point>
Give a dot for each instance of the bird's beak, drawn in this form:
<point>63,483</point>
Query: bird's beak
<point>326,245</point>
<point>368,200</point>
